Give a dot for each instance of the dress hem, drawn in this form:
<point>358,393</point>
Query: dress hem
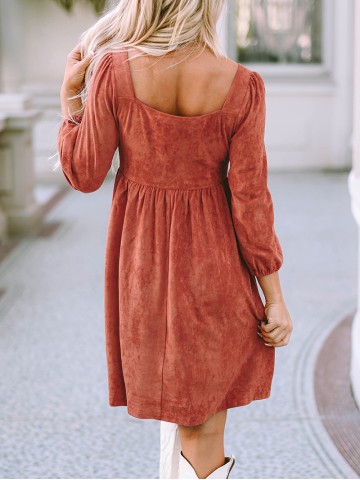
<point>166,413</point>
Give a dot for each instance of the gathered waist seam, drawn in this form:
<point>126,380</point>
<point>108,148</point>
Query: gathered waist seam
<point>220,182</point>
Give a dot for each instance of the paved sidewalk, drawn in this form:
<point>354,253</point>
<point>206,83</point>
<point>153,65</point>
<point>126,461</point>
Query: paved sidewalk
<point>55,421</point>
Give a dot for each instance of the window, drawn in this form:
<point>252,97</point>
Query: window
<point>277,31</point>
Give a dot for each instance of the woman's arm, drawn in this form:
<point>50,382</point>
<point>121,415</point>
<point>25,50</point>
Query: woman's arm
<point>87,142</point>
<point>250,198</point>
<point>253,213</point>
<point>270,285</point>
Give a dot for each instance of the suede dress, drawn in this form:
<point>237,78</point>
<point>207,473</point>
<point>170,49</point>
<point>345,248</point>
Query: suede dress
<point>191,226</point>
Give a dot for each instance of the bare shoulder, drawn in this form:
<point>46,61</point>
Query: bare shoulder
<point>233,64</point>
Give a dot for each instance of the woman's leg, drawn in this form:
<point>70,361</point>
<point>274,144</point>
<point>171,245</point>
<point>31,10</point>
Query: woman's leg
<point>203,445</point>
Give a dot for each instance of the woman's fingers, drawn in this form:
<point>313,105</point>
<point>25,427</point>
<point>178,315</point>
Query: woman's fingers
<point>276,337</point>
<point>271,325</point>
<point>75,54</point>
<point>75,69</point>
<point>281,343</point>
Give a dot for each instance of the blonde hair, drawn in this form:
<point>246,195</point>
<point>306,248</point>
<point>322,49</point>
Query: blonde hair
<point>154,27</point>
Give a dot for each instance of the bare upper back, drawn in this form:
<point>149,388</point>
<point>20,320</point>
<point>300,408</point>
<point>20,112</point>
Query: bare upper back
<point>197,85</point>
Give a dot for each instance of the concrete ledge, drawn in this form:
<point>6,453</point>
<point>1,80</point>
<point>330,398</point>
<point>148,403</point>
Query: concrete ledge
<point>47,196</point>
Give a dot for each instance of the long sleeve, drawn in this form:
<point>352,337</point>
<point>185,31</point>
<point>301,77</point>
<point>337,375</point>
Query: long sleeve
<point>86,149</point>
<point>250,198</point>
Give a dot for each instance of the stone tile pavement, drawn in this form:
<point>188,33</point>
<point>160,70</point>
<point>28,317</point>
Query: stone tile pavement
<point>55,421</point>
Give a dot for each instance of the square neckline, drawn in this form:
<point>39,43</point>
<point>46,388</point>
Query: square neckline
<point>170,115</point>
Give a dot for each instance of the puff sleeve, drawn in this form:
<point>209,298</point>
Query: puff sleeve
<point>250,199</point>
<point>86,149</point>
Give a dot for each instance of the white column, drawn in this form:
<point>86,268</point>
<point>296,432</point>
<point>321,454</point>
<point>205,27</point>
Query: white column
<point>354,189</point>
<point>17,181</point>
<point>3,223</point>
<point>13,43</point>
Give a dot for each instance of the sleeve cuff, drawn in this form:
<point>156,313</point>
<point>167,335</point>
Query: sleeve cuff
<point>266,271</point>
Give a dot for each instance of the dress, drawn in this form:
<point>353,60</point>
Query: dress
<point>186,238</point>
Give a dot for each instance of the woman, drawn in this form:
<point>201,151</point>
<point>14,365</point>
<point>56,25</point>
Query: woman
<point>187,334</point>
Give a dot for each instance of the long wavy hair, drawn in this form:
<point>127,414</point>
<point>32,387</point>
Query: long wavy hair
<point>153,27</point>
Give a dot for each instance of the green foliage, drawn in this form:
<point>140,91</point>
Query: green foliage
<point>97,5</point>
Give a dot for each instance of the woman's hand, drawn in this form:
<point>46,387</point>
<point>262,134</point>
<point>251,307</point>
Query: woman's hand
<point>75,70</point>
<point>277,331</point>
<point>73,82</point>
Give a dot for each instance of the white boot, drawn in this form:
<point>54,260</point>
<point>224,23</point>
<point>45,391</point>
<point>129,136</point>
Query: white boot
<point>170,447</point>
<point>186,470</point>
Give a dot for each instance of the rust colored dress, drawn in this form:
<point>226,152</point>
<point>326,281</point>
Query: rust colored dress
<point>186,238</point>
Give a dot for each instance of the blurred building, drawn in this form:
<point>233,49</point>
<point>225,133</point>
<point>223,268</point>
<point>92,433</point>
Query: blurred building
<point>304,50</point>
